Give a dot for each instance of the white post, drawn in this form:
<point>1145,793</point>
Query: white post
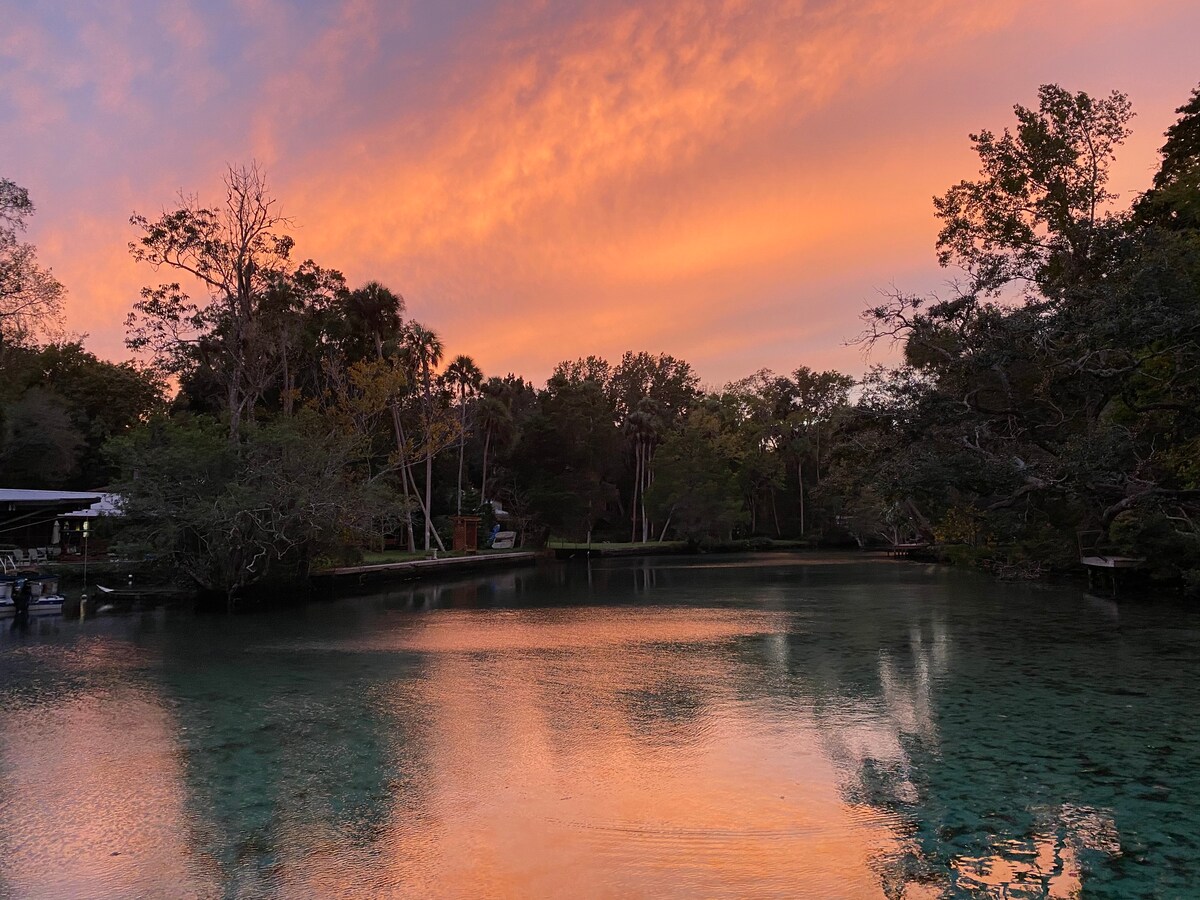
<point>84,596</point>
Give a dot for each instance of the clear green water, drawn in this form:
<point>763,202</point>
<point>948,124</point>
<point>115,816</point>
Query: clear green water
<point>685,726</point>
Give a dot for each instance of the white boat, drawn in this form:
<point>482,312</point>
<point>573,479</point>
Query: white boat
<point>45,600</point>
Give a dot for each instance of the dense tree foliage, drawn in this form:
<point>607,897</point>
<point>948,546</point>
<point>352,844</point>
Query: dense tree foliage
<point>696,493</point>
<point>1054,392</point>
<point>59,404</point>
<point>1071,406</point>
<point>1038,211</point>
<point>290,492</point>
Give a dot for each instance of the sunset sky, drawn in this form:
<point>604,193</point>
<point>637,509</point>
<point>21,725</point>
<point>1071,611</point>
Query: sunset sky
<point>729,182</point>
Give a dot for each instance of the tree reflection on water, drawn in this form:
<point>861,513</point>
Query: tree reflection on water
<point>711,726</point>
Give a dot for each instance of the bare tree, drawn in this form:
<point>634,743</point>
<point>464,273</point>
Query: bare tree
<point>30,296</point>
<point>237,253</point>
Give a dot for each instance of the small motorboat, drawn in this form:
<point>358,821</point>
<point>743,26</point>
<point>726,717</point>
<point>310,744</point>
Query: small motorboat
<point>44,598</point>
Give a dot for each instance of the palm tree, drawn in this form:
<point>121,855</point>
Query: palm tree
<point>424,351</point>
<point>495,418</point>
<point>642,427</point>
<point>376,311</point>
<point>464,377</point>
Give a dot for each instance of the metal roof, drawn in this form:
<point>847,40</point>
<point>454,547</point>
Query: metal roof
<point>14,495</point>
<point>107,505</point>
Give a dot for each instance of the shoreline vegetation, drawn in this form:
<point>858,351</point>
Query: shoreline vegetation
<point>137,585</point>
<point>278,423</point>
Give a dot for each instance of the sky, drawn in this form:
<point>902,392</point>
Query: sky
<point>728,182</point>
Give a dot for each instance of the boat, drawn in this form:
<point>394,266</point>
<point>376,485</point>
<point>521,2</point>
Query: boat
<point>45,600</point>
<point>149,593</point>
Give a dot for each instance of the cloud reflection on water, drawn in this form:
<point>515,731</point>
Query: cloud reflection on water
<point>634,743</point>
<point>632,767</point>
<point>93,802</point>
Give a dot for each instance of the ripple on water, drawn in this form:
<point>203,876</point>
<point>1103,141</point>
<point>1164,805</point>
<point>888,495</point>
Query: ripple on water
<point>745,728</point>
<point>485,631</point>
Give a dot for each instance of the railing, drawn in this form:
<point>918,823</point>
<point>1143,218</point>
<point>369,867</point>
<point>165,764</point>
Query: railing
<point>13,561</point>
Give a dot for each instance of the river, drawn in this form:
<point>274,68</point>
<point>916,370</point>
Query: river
<point>688,726</point>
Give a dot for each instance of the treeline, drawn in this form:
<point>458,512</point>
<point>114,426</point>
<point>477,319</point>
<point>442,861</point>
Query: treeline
<point>59,404</point>
<point>1056,391</point>
<point>314,421</point>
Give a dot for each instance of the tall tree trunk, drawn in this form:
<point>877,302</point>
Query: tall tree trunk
<point>423,505</point>
<point>424,509</point>
<point>462,442</point>
<point>924,526</point>
<point>235,410</point>
<point>401,447</point>
<point>775,513</point>
<point>287,386</point>
<point>487,443</point>
<point>428,498</point>
<point>645,484</point>
<point>818,454</point>
<point>405,475</point>
<point>637,480</point>
<point>427,413</point>
<point>800,475</point>
<point>645,521</point>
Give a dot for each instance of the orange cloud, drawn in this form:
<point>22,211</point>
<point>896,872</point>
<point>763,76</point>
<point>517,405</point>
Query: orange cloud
<point>727,181</point>
<point>610,165</point>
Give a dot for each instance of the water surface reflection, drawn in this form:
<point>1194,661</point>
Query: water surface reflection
<point>721,726</point>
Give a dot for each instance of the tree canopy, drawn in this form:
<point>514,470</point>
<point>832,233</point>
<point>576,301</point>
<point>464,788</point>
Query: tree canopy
<point>30,295</point>
<point>1073,408</point>
<point>1053,391</point>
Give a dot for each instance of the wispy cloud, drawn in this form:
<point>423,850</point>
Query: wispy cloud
<point>729,181</point>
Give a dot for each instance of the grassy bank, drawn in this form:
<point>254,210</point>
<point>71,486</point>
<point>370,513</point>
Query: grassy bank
<point>371,558</point>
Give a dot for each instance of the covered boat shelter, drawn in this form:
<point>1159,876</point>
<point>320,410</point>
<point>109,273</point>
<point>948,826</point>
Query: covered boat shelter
<point>30,518</point>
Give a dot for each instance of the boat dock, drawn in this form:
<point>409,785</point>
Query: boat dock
<point>906,551</point>
<point>1112,562</point>
<point>1094,558</point>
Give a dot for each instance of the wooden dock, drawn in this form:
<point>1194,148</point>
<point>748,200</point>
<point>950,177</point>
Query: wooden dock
<point>1112,562</point>
<point>904,551</point>
<point>1097,564</point>
<point>1093,556</point>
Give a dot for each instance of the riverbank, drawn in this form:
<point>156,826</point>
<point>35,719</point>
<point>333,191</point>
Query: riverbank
<point>568,550</point>
<point>405,569</point>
